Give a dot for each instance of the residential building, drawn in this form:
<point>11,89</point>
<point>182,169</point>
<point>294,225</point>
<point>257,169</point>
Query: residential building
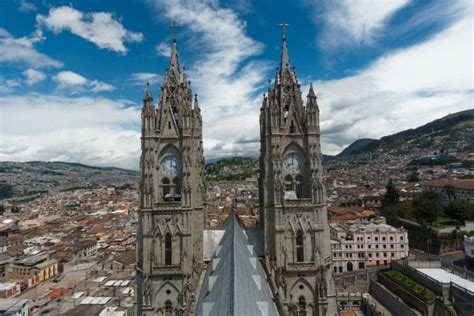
<point>14,307</point>
<point>451,190</point>
<point>360,244</point>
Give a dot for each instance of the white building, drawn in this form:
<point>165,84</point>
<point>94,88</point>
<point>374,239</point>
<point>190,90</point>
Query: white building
<point>359,244</point>
<point>14,307</point>
<point>469,248</point>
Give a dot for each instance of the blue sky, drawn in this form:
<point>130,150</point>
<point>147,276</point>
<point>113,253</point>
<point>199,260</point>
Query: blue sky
<point>72,73</point>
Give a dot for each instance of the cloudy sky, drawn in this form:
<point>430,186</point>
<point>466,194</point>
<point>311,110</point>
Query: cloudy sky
<point>73,73</point>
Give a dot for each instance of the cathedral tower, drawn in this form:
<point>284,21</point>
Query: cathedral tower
<point>171,219</point>
<point>292,197</point>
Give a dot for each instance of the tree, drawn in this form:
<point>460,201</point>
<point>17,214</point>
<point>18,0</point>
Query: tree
<point>427,207</point>
<point>413,177</point>
<point>391,196</point>
<point>460,210</point>
<point>6,190</point>
<point>450,191</point>
<point>15,209</point>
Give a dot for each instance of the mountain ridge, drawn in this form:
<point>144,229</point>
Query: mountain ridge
<point>442,124</point>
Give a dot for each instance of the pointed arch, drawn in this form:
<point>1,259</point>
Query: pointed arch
<point>299,246</point>
<point>167,284</point>
<point>301,306</point>
<point>293,147</point>
<point>289,183</point>
<point>296,291</point>
<point>168,308</point>
<point>171,188</point>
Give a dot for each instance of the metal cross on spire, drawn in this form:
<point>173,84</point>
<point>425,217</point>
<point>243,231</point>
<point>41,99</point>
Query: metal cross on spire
<point>283,26</point>
<point>174,27</point>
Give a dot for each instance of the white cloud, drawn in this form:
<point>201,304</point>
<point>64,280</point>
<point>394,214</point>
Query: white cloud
<point>26,6</point>
<point>69,78</point>
<point>21,50</point>
<point>98,86</point>
<point>33,76</point>
<point>94,131</point>
<point>353,21</point>
<point>225,81</point>
<point>99,28</point>
<point>141,78</point>
<point>163,49</point>
<point>8,85</point>
<point>76,83</point>
<point>404,89</point>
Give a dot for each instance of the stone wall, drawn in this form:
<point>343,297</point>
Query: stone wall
<point>426,308</point>
<point>390,300</point>
<point>432,284</point>
<point>356,281</point>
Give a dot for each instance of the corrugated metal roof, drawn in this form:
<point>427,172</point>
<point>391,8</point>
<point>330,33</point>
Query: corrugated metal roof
<point>235,282</point>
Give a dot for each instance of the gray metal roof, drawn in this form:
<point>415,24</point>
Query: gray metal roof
<point>235,282</point>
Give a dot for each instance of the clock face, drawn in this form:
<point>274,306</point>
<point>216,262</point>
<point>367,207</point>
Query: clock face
<point>292,163</point>
<point>170,165</point>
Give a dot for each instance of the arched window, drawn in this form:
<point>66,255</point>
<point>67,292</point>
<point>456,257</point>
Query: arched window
<point>289,184</point>
<point>168,249</point>
<point>168,308</point>
<point>299,246</point>
<point>292,127</point>
<point>299,186</point>
<point>350,267</point>
<point>301,306</point>
<point>165,188</point>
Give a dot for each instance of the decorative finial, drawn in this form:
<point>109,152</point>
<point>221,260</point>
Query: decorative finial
<point>173,26</point>
<point>283,26</point>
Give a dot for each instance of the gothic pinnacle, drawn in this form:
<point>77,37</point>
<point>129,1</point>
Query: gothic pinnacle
<point>311,91</point>
<point>148,96</point>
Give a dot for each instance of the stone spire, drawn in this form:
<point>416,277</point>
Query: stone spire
<point>285,59</point>
<point>311,93</point>
<point>174,60</point>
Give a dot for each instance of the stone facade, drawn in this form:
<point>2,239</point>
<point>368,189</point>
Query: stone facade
<point>293,198</point>
<point>172,197</point>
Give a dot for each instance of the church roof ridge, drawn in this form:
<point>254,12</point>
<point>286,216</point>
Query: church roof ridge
<point>235,283</point>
